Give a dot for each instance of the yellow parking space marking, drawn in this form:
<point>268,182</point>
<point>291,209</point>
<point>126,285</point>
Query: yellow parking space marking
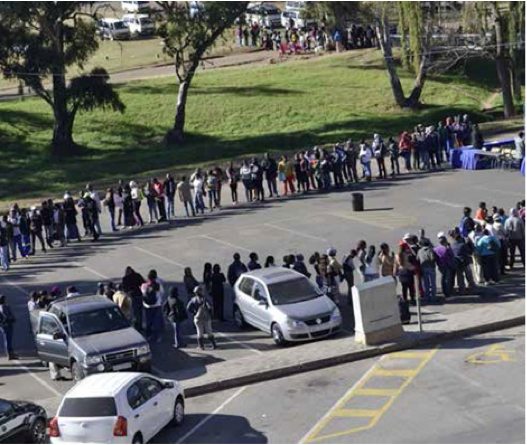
<point>395,372</point>
<point>356,412</point>
<point>494,354</point>
<point>345,408</point>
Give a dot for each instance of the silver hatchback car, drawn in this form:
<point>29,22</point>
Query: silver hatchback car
<point>285,304</point>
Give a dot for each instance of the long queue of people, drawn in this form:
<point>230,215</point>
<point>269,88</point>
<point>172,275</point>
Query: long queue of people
<point>478,251</point>
<point>56,223</point>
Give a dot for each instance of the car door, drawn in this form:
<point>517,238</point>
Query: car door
<point>143,417</point>
<point>157,399</point>
<point>245,290</point>
<point>260,304</point>
<point>51,348</point>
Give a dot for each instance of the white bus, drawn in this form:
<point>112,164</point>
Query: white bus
<point>135,6</point>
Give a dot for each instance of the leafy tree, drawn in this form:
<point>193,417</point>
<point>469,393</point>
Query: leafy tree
<point>40,40</point>
<point>188,34</point>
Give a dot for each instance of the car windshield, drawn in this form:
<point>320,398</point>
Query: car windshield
<point>146,21</point>
<point>119,25</point>
<point>293,291</point>
<point>271,12</point>
<point>88,407</point>
<point>97,321</point>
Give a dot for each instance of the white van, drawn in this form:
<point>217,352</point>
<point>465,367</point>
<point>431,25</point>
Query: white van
<point>112,29</point>
<point>135,6</point>
<point>139,24</point>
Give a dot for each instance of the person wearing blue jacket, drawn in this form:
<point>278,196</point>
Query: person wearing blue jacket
<point>488,247</point>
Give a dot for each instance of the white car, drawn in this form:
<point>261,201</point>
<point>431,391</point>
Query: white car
<point>265,14</point>
<point>112,29</point>
<point>285,304</point>
<point>126,407</point>
<point>139,24</point>
<point>292,19</point>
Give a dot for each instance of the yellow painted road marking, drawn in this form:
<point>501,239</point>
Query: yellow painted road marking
<point>495,354</point>
<point>340,411</point>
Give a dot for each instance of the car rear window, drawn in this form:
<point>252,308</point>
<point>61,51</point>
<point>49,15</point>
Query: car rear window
<point>88,407</point>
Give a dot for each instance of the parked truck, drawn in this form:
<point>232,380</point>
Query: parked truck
<point>87,335</point>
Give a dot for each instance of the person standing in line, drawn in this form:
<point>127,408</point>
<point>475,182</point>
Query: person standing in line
<point>109,203</point>
<point>16,239</point>
<point>218,174</point>
<point>406,149</point>
<point>481,213</point>
<point>445,262</point>
<point>333,274</point>
<point>132,283</point>
<point>235,269</point>
<point>150,193</point>
<point>361,258</point>
<point>185,196</point>
<point>97,208</point>
<point>351,162</point>
<point>427,265</point>
<point>499,232</point>
<point>124,301</point>
<point>246,177</point>
<point>515,232</point>
<point>190,282</point>
<point>488,248</point>
<point>198,185</point>
<point>519,143</point>
<point>137,197</point>
<point>118,200</point>
<point>371,271</point>
<point>473,239</point>
<point>348,269</point>
<point>200,308</point>
<point>233,178</point>
<point>212,190</point>
<point>379,152</point>
<point>269,262</point>
<point>176,314</point>
<point>253,263</point>
<point>257,180</point>
<point>217,292</point>
<point>153,299</point>
<point>365,157</point>
<point>7,320</point>
<point>270,168</point>
<point>4,243</point>
<point>169,188</point>
<point>463,256</point>
<point>286,175</point>
<point>207,277</point>
<point>160,200</point>
<point>70,219</point>
<point>393,152</point>
<point>46,212</point>
<point>385,261</point>
<point>404,270</point>
<point>442,132</point>
<point>128,206</point>
<point>300,266</point>
<point>35,227</point>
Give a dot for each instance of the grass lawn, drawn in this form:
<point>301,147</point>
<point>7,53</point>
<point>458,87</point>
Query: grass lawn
<point>231,112</point>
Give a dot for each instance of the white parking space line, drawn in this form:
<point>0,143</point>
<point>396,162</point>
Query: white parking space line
<point>294,232</point>
<point>225,243</point>
<point>39,379</point>
<point>210,416</point>
<point>444,203</point>
<point>155,255</point>
<point>93,271</point>
<point>243,345</point>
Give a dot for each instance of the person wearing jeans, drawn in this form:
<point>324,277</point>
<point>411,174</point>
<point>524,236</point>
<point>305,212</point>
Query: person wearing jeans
<point>185,196</point>
<point>176,314</point>
<point>169,187</point>
<point>445,260</point>
<point>515,232</point>
<point>488,247</point>
<point>427,266</point>
<point>4,244</point>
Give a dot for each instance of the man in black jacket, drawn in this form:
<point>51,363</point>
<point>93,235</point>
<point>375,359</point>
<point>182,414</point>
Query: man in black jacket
<point>169,187</point>
<point>270,167</point>
<point>6,327</point>
<point>235,269</point>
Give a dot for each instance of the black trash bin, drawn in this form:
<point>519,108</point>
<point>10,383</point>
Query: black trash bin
<point>357,202</point>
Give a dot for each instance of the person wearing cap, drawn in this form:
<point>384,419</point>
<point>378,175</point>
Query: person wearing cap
<point>201,309</point>
<point>446,263</point>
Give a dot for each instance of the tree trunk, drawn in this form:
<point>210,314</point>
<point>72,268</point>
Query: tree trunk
<point>413,100</point>
<point>176,134</point>
<point>516,82</point>
<point>386,47</point>
<point>505,83</point>
<point>62,127</point>
<point>502,66</point>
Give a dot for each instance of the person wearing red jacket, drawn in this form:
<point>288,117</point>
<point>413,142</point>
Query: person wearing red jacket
<point>405,149</point>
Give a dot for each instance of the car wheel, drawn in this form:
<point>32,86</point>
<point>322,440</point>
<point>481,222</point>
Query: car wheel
<point>239,321</point>
<point>137,438</point>
<point>76,371</point>
<point>278,337</point>
<point>37,432</point>
<point>179,412</point>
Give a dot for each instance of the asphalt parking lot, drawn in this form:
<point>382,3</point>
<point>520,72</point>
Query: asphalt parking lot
<point>303,224</point>
<point>465,391</point>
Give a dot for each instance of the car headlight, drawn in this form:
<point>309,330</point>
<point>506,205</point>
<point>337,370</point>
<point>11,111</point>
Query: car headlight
<point>93,359</point>
<point>295,324</point>
<point>142,350</point>
<point>335,315</point>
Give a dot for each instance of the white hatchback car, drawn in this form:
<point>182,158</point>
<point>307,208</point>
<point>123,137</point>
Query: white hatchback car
<point>285,304</point>
<point>119,407</point>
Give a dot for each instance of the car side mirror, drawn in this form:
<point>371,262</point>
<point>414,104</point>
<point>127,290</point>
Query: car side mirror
<point>59,336</point>
<point>169,385</point>
<point>262,301</point>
